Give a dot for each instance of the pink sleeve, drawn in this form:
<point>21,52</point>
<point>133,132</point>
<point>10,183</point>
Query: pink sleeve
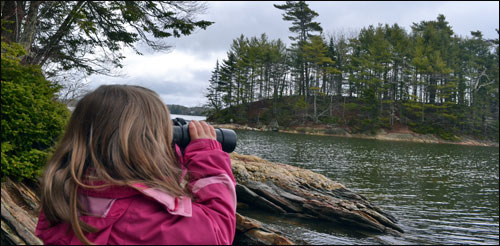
<point>213,185</point>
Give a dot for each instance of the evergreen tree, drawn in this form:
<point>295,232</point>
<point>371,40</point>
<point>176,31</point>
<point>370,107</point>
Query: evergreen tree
<point>214,90</point>
<point>303,25</point>
<point>227,75</point>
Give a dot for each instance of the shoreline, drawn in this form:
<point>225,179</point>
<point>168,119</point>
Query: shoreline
<point>396,135</point>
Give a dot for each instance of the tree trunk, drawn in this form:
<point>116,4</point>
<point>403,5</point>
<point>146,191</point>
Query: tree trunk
<point>307,82</point>
<point>432,89</point>
<point>315,110</point>
<point>331,105</point>
<point>343,112</point>
<point>28,34</point>
<point>12,15</point>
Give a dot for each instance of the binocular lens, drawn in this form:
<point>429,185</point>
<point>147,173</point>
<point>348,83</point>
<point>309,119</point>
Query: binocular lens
<point>226,137</point>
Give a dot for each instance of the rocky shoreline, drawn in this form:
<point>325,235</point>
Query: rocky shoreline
<point>293,191</point>
<point>262,185</point>
<point>398,135</point>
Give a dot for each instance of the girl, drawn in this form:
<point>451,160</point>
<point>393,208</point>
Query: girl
<point>115,177</point>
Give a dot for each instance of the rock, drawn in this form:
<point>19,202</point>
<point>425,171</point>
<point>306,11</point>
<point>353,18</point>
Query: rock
<point>19,214</point>
<point>253,232</point>
<point>285,189</point>
<point>274,125</point>
<point>338,131</point>
<point>247,196</point>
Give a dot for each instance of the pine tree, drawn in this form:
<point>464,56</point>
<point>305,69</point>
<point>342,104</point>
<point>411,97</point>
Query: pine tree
<point>227,75</point>
<point>303,25</point>
<point>214,90</point>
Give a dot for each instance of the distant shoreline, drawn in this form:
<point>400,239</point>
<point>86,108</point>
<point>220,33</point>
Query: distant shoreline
<point>401,135</point>
<point>188,117</point>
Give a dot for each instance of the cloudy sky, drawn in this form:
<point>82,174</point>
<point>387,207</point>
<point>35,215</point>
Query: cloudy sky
<point>181,75</point>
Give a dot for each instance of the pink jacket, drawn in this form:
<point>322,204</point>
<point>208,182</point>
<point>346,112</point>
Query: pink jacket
<point>125,215</point>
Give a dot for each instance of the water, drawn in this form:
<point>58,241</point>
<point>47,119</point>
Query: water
<point>188,117</point>
<point>441,194</point>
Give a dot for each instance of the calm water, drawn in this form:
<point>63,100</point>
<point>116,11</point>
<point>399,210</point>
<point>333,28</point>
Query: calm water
<point>188,117</point>
<point>441,194</point>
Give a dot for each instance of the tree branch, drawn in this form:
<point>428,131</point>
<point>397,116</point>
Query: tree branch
<point>41,58</point>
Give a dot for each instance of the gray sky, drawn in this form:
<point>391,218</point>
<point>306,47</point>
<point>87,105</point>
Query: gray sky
<point>181,75</point>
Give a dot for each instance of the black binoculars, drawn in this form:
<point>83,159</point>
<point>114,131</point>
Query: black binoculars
<point>226,137</point>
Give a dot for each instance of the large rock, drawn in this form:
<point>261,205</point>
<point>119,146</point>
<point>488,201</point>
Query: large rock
<point>285,189</point>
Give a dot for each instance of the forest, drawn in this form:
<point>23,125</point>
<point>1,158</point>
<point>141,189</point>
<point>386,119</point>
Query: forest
<point>427,79</point>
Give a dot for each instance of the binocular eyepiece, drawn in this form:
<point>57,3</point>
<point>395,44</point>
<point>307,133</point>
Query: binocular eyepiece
<point>226,137</point>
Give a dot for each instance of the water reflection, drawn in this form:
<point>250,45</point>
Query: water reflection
<point>442,194</point>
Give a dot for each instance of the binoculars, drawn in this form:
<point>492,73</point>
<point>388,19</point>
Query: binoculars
<point>226,137</point>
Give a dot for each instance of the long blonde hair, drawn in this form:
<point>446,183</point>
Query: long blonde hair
<point>123,135</point>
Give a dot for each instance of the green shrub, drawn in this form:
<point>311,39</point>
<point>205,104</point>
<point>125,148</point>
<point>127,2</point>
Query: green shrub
<point>351,106</point>
<point>385,122</point>
<point>369,126</point>
<point>330,120</point>
<point>446,134</point>
<point>31,119</point>
<point>285,115</point>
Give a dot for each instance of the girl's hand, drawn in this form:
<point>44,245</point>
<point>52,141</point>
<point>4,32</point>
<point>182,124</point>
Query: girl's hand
<point>198,130</point>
